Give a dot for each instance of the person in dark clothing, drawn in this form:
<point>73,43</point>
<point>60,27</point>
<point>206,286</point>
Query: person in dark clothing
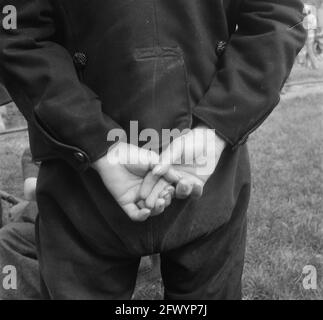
<point>17,240</point>
<point>79,70</point>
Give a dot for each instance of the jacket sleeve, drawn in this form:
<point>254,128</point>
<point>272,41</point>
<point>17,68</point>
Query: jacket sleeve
<point>253,68</point>
<point>41,78</point>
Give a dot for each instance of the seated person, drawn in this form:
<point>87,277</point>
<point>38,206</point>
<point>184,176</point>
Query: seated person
<point>17,241</point>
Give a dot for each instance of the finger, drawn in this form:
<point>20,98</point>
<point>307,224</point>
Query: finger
<point>163,194</point>
<point>184,189</point>
<point>172,154</point>
<point>136,214</point>
<point>154,195</point>
<point>197,191</point>
<point>141,204</point>
<point>168,200</point>
<point>168,195</point>
<point>147,158</point>
<point>168,191</point>
<point>148,184</point>
<point>172,175</point>
<point>159,207</point>
<point>172,191</point>
<point>190,186</point>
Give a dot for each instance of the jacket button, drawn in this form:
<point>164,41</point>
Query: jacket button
<point>80,157</point>
<point>80,60</point>
<point>221,46</point>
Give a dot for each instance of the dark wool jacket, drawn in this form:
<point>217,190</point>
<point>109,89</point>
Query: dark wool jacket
<point>79,68</point>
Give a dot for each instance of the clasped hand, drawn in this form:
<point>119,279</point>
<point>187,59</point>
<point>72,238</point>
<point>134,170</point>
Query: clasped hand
<point>144,183</point>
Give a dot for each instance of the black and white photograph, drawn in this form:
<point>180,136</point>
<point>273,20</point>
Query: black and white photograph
<point>161,150</point>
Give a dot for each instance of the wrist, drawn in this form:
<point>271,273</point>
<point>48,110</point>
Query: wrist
<point>110,158</point>
<point>99,164</point>
<point>212,136</point>
<point>220,142</point>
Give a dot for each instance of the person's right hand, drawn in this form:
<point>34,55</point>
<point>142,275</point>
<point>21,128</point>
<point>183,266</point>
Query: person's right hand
<point>123,171</point>
<point>190,160</point>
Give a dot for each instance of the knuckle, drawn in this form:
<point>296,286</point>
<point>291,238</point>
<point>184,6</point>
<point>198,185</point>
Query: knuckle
<point>150,204</point>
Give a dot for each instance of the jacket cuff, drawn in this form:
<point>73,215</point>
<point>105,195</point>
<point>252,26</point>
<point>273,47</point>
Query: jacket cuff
<point>229,128</point>
<point>77,157</point>
<point>233,141</point>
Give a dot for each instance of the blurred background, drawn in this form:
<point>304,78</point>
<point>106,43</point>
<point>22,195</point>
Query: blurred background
<point>285,215</point>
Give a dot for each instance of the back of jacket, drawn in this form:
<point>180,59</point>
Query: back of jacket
<point>79,68</point>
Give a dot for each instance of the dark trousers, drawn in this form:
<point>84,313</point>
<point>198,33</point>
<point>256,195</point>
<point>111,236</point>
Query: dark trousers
<point>18,249</point>
<point>89,249</point>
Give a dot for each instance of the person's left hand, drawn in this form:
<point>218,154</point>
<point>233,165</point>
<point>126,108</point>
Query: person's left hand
<point>189,162</point>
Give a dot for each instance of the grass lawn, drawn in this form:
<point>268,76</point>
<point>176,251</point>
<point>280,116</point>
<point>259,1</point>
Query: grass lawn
<point>300,73</point>
<point>285,216</point>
